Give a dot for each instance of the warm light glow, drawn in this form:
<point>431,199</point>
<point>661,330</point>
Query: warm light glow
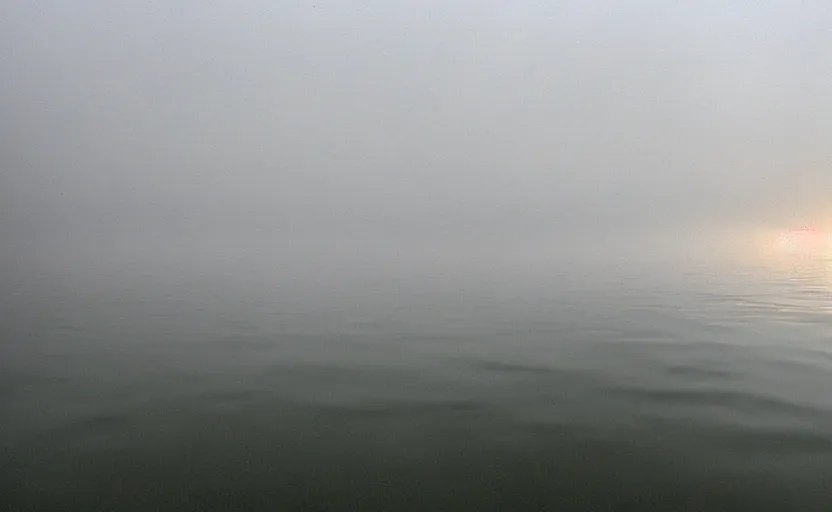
<point>805,239</point>
<point>786,244</point>
<point>803,256</point>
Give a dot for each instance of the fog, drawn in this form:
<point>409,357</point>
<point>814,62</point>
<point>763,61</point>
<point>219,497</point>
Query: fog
<point>330,136</point>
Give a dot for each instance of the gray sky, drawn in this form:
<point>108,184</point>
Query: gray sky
<point>452,128</point>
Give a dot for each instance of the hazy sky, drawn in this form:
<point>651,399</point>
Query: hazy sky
<point>452,127</point>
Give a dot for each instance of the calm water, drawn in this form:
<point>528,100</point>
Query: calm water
<point>685,387</point>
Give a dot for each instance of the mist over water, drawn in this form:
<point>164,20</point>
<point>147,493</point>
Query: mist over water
<point>415,256</point>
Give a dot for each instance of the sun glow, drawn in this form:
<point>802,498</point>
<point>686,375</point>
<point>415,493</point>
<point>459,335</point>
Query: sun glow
<point>805,240</point>
<point>801,256</point>
<point>788,243</point>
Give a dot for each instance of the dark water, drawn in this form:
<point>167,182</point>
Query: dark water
<point>683,388</point>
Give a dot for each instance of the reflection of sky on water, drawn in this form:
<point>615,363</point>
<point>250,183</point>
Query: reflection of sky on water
<point>806,281</point>
<point>794,276</point>
<point>781,301</point>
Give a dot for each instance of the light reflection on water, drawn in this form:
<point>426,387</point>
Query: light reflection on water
<point>805,281</point>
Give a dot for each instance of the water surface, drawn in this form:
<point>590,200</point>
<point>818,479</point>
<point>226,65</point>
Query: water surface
<point>678,387</point>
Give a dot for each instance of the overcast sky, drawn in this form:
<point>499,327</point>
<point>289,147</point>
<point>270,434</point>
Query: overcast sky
<point>407,126</point>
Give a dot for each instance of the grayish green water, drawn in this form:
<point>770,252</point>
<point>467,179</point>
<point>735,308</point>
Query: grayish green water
<point>677,388</point>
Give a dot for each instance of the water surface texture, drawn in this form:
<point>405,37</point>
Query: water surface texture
<point>684,387</point>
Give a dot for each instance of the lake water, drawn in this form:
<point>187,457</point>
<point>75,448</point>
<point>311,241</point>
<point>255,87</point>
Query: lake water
<point>640,387</point>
